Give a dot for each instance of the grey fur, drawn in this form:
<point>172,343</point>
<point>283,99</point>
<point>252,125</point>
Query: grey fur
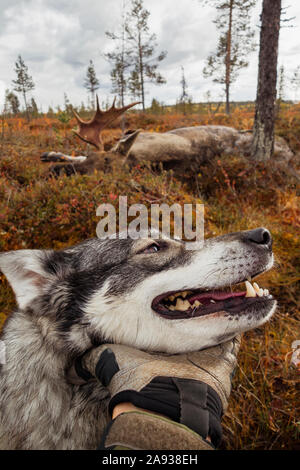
<point>52,325</point>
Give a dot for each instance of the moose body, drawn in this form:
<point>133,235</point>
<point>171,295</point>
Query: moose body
<point>178,149</point>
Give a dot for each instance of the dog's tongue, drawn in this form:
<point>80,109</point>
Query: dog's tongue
<point>217,296</point>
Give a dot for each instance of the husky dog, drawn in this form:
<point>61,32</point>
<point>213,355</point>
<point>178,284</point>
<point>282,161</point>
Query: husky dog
<point>152,294</point>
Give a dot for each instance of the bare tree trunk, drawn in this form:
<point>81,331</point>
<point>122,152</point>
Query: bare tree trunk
<point>26,107</point>
<point>263,131</point>
<point>2,131</point>
<point>122,84</point>
<point>123,65</point>
<point>227,110</point>
<point>228,58</point>
<point>141,72</point>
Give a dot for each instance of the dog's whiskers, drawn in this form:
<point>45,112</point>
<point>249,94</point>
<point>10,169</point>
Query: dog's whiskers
<point>211,273</point>
<point>193,311</point>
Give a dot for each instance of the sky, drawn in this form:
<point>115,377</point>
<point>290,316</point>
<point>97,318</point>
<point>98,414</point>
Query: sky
<point>58,38</point>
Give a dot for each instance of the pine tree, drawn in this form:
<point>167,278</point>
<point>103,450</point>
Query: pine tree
<point>263,130</point>
<point>24,83</point>
<point>91,82</point>
<point>142,45</point>
<point>120,59</point>
<point>235,42</point>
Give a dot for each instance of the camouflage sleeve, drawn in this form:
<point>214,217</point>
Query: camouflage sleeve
<point>139,430</point>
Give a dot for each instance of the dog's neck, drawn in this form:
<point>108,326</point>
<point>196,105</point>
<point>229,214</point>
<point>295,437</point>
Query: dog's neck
<point>24,337</point>
<point>35,394</point>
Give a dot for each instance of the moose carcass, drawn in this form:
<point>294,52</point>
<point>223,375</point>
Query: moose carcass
<point>179,149</point>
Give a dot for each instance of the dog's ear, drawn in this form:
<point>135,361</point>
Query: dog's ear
<point>25,273</point>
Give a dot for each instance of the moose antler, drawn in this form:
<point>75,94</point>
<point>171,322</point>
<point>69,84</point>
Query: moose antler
<point>90,131</point>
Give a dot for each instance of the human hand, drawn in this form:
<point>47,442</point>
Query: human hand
<point>191,388</point>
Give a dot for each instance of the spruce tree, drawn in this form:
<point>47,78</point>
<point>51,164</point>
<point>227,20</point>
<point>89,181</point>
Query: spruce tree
<point>295,81</point>
<point>12,103</point>
<point>91,82</point>
<point>24,83</point>
<point>67,105</point>
<point>281,89</point>
<point>184,98</point>
<point>34,108</point>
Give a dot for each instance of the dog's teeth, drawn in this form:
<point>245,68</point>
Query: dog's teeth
<point>179,304</point>
<point>171,297</point>
<point>197,303</point>
<point>184,294</point>
<point>256,287</point>
<point>212,301</point>
<point>259,291</point>
<point>182,305</point>
<point>250,291</point>
<point>186,305</point>
<point>171,307</point>
<point>249,278</point>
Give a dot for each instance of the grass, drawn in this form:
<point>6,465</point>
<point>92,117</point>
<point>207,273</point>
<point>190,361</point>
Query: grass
<point>41,212</point>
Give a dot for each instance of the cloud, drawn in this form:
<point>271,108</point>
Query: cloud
<point>57,38</point>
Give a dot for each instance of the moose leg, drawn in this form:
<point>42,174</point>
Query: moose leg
<point>61,157</point>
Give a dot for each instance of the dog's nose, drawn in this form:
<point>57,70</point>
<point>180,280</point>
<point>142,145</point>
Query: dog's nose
<point>260,236</point>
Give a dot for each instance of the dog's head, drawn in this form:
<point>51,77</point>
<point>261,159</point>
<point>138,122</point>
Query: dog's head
<point>153,294</point>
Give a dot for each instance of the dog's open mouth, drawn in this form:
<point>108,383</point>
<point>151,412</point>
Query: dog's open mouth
<point>196,303</point>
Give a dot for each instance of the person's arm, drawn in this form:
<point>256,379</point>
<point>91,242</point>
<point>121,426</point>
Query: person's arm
<point>184,395</point>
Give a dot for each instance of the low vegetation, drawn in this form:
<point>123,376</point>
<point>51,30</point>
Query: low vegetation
<point>38,211</point>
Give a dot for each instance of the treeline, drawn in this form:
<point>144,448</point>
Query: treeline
<point>135,61</point>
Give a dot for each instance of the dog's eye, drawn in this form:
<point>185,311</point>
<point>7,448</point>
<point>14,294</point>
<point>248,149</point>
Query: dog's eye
<point>151,248</point>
